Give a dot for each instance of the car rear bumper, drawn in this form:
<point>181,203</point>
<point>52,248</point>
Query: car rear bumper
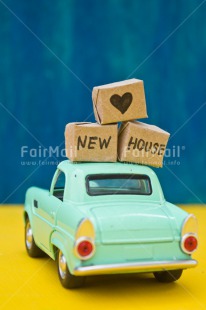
<point>134,267</point>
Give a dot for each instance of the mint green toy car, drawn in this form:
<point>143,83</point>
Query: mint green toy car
<point>106,218</point>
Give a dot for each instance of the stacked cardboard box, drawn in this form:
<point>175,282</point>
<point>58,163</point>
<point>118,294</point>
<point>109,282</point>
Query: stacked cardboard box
<point>102,142</point>
<point>91,142</point>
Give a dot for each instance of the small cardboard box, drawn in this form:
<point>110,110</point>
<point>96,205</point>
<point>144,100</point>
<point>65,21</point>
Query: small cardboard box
<point>119,101</point>
<point>142,143</point>
<point>91,142</point>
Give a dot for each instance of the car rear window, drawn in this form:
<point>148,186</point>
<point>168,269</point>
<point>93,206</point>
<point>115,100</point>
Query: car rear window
<point>118,184</point>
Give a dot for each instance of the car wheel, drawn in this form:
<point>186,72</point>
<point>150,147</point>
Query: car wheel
<point>66,278</point>
<point>32,249</point>
<point>168,276</point>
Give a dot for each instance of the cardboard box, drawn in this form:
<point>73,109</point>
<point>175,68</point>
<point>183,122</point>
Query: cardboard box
<point>91,142</point>
<point>142,143</point>
<point>119,101</point>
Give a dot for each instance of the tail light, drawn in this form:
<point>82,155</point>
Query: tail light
<point>189,243</point>
<point>189,240</point>
<point>84,246</point>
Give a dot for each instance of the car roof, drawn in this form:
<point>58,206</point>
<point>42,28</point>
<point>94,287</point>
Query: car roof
<point>78,171</point>
<point>102,167</point>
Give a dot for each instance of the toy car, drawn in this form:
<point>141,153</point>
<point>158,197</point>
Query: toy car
<point>106,218</point>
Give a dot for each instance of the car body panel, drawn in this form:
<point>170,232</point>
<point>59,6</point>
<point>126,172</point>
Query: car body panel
<point>127,225</point>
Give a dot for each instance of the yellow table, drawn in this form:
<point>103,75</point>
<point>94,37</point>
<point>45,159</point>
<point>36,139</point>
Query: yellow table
<point>33,283</point>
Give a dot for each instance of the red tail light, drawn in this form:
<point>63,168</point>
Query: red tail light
<point>85,248</point>
<point>189,243</point>
<point>84,244</point>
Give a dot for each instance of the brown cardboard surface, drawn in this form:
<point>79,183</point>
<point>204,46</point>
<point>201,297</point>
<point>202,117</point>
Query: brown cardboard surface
<point>142,143</point>
<point>120,101</point>
<point>91,142</point>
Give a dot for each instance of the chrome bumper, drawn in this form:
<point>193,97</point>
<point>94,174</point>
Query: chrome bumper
<point>134,267</point>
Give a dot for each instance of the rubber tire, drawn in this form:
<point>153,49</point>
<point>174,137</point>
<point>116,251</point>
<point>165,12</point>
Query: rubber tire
<point>69,281</point>
<point>168,276</point>
<point>33,251</point>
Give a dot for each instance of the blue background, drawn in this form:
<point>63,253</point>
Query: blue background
<point>52,53</point>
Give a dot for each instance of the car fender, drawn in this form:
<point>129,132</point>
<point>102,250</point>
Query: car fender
<point>28,214</point>
<point>66,246</point>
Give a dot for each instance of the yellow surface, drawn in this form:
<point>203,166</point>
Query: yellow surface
<point>28,283</point>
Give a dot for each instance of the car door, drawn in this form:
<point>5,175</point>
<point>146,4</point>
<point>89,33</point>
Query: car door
<point>48,208</point>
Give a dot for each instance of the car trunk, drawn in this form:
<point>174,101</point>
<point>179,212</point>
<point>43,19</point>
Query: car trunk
<point>132,223</point>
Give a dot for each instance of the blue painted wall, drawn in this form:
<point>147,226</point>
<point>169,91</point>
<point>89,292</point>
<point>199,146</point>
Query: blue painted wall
<point>52,53</point>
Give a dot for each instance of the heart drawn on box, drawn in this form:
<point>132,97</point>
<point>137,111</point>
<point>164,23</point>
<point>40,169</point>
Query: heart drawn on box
<point>121,103</point>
